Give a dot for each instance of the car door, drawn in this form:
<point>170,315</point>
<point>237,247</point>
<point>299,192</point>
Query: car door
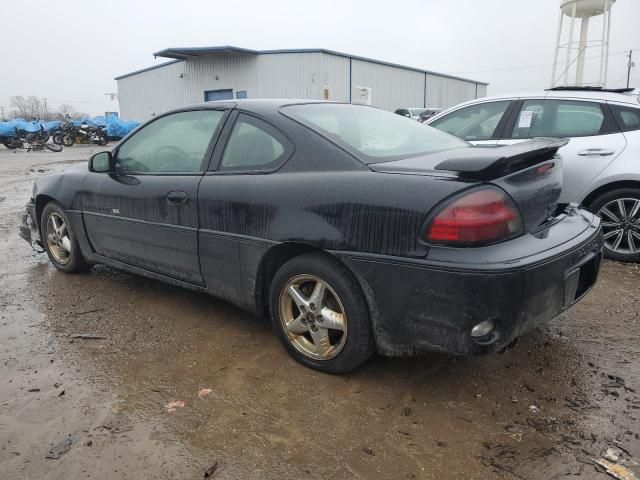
<point>144,212</point>
<point>595,139</point>
<point>479,123</point>
<point>231,226</point>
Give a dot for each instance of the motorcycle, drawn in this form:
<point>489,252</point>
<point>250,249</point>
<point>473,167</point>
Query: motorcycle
<point>93,134</point>
<point>35,141</point>
<point>66,128</point>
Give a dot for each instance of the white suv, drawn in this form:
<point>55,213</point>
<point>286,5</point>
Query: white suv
<point>601,163</point>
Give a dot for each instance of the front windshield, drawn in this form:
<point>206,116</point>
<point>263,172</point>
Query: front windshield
<point>372,134</point>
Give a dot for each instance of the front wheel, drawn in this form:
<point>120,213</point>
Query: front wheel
<point>68,140</point>
<point>60,241</point>
<point>320,314</point>
<point>53,147</point>
<point>57,138</point>
<point>619,211</point>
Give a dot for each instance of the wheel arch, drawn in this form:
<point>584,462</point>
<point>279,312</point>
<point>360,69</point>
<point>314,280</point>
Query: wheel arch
<point>41,201</point>
<point>278,255</point>
<point>601,190</point>
<point>270,262</point>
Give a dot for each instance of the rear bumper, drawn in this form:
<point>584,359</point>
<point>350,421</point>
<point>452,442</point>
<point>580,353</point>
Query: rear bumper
<point>432,304</point>
<point>28,228</point>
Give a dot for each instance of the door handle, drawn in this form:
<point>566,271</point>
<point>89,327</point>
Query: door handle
<point>600,152</point>
<point>177,198</point>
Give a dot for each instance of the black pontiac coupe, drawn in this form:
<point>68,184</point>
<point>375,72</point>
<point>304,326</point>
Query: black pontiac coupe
<point>354,229</point>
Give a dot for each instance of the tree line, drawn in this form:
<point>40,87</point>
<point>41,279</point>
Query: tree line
<point>36,107</point>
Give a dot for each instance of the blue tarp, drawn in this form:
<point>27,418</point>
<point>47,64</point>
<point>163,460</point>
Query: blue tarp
<point>116,128</point>
<point>100,121</point>
<point>82,121</point>
<point>8,129</point>
<point>31,126</point>
<point>53,125</point>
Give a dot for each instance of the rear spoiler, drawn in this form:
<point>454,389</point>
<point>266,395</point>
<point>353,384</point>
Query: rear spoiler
<point>488,163</point>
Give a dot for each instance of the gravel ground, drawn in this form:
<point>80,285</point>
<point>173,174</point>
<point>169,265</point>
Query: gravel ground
<point>543,410</point>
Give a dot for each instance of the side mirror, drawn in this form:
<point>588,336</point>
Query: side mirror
<point>101,162</point>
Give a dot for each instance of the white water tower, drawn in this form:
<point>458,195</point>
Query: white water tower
<point>570,70</point>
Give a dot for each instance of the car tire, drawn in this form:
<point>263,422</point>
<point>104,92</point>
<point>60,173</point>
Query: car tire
<point>607,206</point>
<point>304,329</point>
<point>63,250</point>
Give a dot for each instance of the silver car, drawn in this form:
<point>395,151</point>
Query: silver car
<point>412,113</point>
<point>601,162</point>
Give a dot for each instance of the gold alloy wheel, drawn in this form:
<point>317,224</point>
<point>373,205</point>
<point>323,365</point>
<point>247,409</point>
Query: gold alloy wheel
<point>58,239</point>
<point>313,317</point>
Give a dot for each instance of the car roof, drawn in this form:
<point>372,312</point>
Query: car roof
<point>578,94</point>
<point>254,103</point>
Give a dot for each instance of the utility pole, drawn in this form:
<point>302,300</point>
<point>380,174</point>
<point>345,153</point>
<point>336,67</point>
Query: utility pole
<point>2,112</point>
<point>45,109</point>
<point>629,65</point>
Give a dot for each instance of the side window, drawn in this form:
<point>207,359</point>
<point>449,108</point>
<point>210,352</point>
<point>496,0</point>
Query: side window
<point>253,145</point>
<point>531,114</point>
<point>627,117</point>
<point>559,118</point>
<point>175,143</point>
<point>475,122</point>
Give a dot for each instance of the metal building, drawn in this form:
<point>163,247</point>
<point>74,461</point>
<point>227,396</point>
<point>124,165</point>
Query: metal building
<point>220,73</point>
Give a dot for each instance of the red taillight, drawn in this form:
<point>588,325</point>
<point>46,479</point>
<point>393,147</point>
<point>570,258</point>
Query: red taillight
<point>482,216</point>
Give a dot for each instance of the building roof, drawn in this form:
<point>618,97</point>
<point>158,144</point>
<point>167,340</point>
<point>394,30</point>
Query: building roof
<point>180,54</point>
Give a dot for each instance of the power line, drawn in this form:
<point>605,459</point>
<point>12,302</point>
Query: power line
<point>526,67</point>
<point>619,80</point>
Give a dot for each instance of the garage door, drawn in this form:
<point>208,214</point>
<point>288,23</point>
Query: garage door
<point>211,95</point>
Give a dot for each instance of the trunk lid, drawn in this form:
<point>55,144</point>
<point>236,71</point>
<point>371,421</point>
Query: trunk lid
<point>530,172</point>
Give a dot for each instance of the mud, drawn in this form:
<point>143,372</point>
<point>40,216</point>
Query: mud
<point>90,365</point>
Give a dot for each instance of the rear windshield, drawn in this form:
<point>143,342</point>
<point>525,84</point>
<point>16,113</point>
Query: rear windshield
<point>373,135</point>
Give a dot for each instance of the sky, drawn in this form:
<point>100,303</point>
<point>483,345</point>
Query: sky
<point>70,51</point>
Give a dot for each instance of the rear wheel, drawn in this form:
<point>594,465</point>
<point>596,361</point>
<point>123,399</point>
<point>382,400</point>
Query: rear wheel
<point>60,241</point>
<point>620,213</point>
<point>320,314</point>
<point>57,138</point>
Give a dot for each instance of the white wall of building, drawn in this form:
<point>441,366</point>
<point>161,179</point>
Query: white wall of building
<point>316,75</point>
<point>445,92</point>
<point>391,87</point>
<point>302,75</point>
